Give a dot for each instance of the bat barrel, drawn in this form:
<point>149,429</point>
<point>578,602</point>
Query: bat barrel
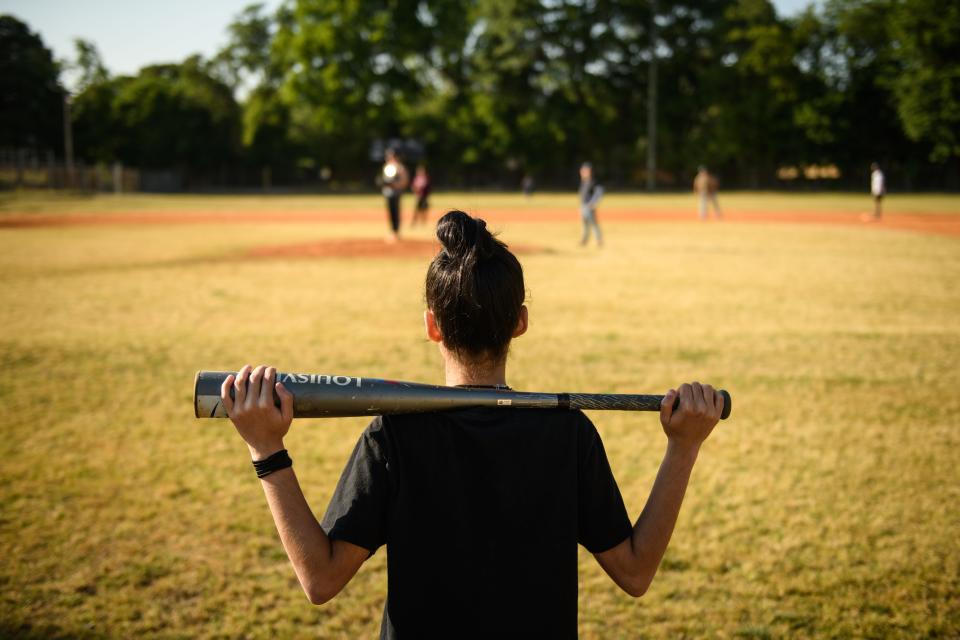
<point>330,396</point>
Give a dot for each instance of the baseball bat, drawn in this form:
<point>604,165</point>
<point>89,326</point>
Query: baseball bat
<point>330,396</point>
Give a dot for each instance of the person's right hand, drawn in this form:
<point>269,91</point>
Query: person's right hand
<point>258,421</point>
<point>698,413</point>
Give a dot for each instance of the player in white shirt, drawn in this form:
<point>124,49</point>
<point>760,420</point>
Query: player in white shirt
<point>878,188</point>
<point>393,181</point>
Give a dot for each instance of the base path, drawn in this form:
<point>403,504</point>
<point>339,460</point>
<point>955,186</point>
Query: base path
<point>941,224</point>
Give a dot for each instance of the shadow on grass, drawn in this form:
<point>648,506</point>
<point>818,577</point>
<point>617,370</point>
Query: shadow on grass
<point>27,631</point>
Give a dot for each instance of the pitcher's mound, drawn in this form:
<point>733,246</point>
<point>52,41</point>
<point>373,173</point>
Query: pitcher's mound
<point>362,248</point>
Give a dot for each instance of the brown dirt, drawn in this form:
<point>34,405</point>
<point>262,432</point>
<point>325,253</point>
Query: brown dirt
<point>943,224</point>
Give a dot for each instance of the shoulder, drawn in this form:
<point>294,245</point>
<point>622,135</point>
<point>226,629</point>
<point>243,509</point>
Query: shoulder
<point>375,437</point>
<point>375,428</point>
<point>584,426</point>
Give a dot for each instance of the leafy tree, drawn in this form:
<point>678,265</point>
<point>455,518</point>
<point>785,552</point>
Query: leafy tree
<point>266,129</point>
<point>499,87</point>
<point>247,64</point>
<point>927,89</point>
<point>507,61</point>
<point>89,63</point>
<point>31,97</point>
<point>348,69</point>
<point>750,125</point>
<point>165,116</point>
<point>246,58</point>
<point>696,90</point>
<point>443,117</point>
<point>97,133</point>
<point>858,61</point>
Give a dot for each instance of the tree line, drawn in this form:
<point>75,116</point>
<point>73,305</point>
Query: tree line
<point>499,89</point>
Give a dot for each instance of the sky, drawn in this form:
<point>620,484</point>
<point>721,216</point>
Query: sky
<point>131,34</point>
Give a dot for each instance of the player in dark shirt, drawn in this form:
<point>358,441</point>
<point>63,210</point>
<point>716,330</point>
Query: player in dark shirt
<point>590,194</point>
<point>481,510</point>
<point>421,188</point>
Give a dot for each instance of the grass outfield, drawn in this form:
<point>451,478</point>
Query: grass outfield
<point>828,506</point>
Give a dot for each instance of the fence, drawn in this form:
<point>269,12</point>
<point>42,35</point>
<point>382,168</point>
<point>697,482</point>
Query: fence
<point>26,169</point>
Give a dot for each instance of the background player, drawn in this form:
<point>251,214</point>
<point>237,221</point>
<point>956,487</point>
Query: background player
<point>526,185</point>
<point>421,189</point>
<point>395,180</point>
<point>590,195</point>
<point>878,189</point>
<point>706,187</point>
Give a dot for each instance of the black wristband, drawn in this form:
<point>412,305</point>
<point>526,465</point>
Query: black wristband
<point>275,462</point>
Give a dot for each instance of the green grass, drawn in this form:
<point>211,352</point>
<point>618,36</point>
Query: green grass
<point>828,506</point>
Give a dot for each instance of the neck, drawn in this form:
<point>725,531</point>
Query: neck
<point>475,373</point>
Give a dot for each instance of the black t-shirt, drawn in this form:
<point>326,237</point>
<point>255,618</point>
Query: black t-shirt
<point>481,511</point>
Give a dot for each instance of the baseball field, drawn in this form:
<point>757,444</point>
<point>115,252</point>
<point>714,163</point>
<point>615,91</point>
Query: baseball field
<point>828,506</point>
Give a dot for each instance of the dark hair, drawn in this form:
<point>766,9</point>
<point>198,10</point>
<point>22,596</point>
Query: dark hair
<point>474,288</point>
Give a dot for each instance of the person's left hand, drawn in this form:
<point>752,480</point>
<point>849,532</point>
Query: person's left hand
<point>252,410</point>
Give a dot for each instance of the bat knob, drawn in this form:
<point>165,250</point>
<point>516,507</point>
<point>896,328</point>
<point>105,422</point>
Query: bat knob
<point>727,404</point>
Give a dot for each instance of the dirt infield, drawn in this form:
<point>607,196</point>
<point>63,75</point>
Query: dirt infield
<point>940,224</point>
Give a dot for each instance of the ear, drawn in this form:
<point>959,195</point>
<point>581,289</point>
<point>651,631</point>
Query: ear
<point>522,322</point>
<point>430,324</point>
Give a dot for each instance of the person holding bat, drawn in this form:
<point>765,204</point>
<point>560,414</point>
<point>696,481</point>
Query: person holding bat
<point>482,509</point>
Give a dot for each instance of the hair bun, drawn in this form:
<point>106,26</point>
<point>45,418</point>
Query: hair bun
<point>474,288</point>
<point>462,235</point>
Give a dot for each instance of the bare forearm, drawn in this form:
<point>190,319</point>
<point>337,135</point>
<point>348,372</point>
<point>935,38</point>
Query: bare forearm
<point>303,538</point>
<point>633,563</point>
<point>654,527</point>
<point>323,567</point>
